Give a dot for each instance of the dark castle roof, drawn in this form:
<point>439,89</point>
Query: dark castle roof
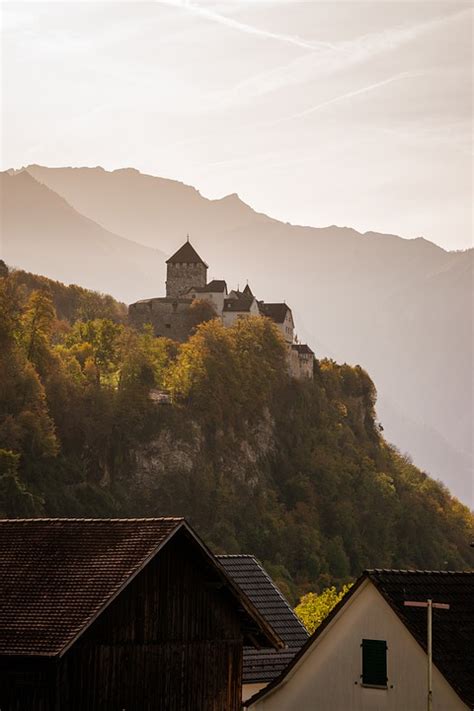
<point>264,665</point>
<point>302,348</point>
<point>58,575</point>
<point>453,629</point>
<point>186,255</point>
<point>277,312</point>
<point>216,286</point>
<point>239,304</point>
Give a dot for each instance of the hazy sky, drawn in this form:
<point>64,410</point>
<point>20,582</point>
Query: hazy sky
<point>317,113</point>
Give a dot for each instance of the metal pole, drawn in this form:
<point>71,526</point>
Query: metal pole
<point>429,609</point>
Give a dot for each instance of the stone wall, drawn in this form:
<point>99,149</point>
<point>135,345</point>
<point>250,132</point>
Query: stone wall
<point>181,277</point>
<point>300,365</point>
<point>169,317</point>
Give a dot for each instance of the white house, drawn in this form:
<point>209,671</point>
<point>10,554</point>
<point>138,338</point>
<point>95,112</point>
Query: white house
<point>370,652</point>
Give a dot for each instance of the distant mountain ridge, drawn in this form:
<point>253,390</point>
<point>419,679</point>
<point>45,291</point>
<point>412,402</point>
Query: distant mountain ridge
<point>401,308</point>
<point>43,233</point>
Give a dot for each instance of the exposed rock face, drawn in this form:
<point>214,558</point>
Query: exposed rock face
<point>172,454</point>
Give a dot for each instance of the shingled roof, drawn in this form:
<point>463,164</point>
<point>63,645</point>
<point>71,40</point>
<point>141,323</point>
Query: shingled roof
<point>240,304</point>
<point>186,255</point>
<point>302,348</point>
<point>277,312</point>
<point>265,664</point>
<point>58,575</point>
<point>453,629</point>
<point>216,286</point>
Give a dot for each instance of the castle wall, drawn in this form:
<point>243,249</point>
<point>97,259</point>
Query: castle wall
<point>306,362</point>
<point>214,298</point>
<point>300,365</point>
<point>168,317</point>
<point>230,317</point>
<point>180,277</point>
<point>287,328</point>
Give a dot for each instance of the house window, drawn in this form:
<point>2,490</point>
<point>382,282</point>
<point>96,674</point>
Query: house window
<point>374,662</point>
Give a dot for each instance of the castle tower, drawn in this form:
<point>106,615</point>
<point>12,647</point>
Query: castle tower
<point>184,270</point>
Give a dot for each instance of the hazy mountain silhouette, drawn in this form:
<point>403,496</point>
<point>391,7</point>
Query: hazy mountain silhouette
<point>42,233</point>
<point>401,308</point>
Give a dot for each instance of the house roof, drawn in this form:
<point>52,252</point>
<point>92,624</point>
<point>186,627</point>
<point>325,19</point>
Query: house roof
<point>277,312</point>
<point>58,575</point>
<point>247,291</point>
<point>240,304</point>
<point>216,286</point>
<point>453,629</point>
<point>302,348</point>
<point>186,255</point>
<point>264,665</point>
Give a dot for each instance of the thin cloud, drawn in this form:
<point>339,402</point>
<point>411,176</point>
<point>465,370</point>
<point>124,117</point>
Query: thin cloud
<point>230,22</point>
<point>339,57</point>
<point>348,95</point>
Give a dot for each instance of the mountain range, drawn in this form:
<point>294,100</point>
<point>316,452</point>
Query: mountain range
<point>400,308</point>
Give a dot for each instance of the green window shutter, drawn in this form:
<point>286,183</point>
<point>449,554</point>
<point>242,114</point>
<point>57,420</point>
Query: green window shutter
<point>374,662</point>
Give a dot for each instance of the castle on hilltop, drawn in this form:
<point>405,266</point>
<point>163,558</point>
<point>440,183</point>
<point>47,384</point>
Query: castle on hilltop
<point>186,286</point>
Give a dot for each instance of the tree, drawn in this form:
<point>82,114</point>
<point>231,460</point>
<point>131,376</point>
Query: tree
<point>37,324</point>
<point>200,311</point>
<point>314,608</point>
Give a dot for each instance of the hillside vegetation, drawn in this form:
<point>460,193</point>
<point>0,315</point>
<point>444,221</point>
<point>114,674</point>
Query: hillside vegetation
<point>401,307</point>
<point>297,473</point>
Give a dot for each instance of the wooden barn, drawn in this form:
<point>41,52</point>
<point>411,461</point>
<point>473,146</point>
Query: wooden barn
<point>122,614</point>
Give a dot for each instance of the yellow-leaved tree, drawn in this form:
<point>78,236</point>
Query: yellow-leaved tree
<point>314,608</point>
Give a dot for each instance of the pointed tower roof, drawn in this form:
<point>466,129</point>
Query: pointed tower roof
<point>247,291</point>
<point>186,255</point>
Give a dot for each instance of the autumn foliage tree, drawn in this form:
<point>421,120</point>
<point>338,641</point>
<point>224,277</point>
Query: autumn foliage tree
<point>297,473</point>
<point>313,608</point>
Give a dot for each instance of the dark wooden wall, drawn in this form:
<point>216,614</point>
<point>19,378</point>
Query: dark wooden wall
<point>171,641</point>
<point>27,684</point>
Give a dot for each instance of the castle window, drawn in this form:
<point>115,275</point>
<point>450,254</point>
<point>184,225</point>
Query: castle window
<point>168,325</point>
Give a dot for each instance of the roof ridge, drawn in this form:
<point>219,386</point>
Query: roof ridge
<point>410,571</point>
<point>101,520</point>
<point>236,555</point>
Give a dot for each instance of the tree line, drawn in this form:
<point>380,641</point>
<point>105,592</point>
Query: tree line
<point>297,473</point>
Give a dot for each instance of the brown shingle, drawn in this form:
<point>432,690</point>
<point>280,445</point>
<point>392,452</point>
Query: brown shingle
<point>263,665</point>
<point>56,575</point>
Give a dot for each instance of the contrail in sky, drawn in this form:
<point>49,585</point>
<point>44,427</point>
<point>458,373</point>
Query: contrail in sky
<point>242,26</point>
<point>350,94</point>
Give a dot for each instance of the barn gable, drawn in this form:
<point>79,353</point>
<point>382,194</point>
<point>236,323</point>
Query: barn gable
<point>119,614</point>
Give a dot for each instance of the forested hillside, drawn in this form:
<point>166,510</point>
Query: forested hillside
<point>401,307</point>
<point>297,473</point>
